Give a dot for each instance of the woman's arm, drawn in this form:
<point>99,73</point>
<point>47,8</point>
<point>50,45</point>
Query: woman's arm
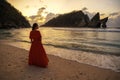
<point>31,40</point>
<point>39,35</point>
<point>30,36</point>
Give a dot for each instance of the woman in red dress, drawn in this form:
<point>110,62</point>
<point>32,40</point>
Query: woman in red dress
<point>37,54</point>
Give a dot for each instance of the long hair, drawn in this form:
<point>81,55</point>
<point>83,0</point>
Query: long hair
<point>34,25</point>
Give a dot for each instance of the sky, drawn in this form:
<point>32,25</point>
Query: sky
<point>44,7</point>
<point>30,7</point>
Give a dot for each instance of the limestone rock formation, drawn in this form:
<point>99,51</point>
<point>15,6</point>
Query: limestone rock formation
<point>77,19</point>
<point>95,21</point>
<point>103,22</point>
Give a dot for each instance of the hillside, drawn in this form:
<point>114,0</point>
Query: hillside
<point>77,19</point>
<point>10,17</point>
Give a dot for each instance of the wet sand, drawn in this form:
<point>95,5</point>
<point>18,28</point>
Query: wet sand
<point>14,66</point>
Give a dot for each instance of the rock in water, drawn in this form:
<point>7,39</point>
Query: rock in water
<point>95,21</point>
<point>103,22</point>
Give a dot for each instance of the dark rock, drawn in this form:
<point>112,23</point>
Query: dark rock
<point>96,18</point>
<point>104,26</point>
<point>103,22</point>
<point>95,21</point>
<point>77,19</point>
<point>69,19</point>
<point>87,20</point>
<point>11,17</point>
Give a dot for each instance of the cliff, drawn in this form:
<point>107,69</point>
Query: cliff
<point>10,17</point>
<point>77,19</point>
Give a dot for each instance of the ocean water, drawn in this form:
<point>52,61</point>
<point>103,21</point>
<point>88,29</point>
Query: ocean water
<point>98,47</point>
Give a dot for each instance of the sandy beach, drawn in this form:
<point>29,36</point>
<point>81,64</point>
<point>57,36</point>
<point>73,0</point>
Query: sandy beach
<point>14,66</point>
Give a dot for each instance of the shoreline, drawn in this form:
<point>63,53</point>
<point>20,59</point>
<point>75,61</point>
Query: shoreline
<point>14,67</point>
<point>109,62</point>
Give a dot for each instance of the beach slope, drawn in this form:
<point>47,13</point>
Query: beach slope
<point>14,66</point>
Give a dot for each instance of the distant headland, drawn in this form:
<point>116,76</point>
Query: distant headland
<point>77,19</point>
<point>10,17</point>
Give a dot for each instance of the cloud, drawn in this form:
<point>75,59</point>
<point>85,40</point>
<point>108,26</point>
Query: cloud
<point>84,8</point>
<point>41,0</point>
<point>114,22</point>
<point>90,14</point>
<point>50,16</point>
<point>113,18</point>
<point>40,11</point>
<point>32,17</point>
<point>114,14</point>
<point>42,16</point>
<point>39,18</point>
<point>27,6</point>
<point>103,14</point>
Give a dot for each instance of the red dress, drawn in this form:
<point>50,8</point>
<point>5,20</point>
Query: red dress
<point>37,54</point>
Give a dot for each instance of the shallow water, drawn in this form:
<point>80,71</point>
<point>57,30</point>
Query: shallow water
<point>98,47</point>
<point>104,41</point>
